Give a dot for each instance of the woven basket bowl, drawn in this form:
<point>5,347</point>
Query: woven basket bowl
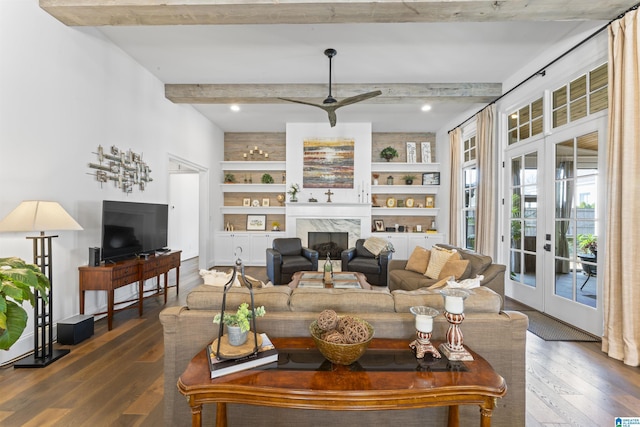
<point>340,354</point>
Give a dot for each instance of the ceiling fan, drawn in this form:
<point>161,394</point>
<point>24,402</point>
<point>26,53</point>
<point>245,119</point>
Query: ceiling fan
<point>330,104</point>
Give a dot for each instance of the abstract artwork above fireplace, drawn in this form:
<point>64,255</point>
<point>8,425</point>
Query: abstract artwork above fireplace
<point>328,163</point>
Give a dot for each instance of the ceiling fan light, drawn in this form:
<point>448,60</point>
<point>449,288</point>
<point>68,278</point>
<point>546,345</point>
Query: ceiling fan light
<point>426,107</point>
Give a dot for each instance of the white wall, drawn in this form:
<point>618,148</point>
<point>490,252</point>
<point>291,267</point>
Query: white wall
<point>64,92</point>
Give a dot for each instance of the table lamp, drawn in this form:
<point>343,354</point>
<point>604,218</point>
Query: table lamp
<point>36,215</point>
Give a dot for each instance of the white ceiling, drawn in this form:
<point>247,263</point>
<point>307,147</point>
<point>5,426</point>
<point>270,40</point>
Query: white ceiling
<point>468,52</point>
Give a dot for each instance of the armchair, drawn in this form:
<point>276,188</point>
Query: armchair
<point>361,260</point>
<point>286,257</point>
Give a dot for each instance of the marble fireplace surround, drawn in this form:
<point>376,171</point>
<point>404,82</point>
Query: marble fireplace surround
<point>352,218</point>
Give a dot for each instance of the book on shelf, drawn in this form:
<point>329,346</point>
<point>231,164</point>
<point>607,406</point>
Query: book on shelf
<point>267,354</point>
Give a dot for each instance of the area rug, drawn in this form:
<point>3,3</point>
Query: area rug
<point>550,329</point>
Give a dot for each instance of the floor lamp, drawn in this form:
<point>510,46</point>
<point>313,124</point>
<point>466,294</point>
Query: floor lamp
<point>42,216</point>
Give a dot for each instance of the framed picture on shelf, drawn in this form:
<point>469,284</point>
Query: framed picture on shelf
<point>379,224</point>
<point>425,148</point>
<point>265,202</point>
<point>409,202</point>
<point>400,203</point>
<point>246,202</point>
<point>256,222</point>
<point>412,154</point>
<point>431,178</point>
<point>429,202</point>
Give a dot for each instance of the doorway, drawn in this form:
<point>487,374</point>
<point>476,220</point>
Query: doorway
<point>188,209</point>
<point>554,214</point>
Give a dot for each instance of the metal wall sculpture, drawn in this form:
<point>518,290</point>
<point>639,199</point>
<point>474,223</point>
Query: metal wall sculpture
<point>124,168</point>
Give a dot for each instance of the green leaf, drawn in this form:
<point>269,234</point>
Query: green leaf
<point>16,321</point>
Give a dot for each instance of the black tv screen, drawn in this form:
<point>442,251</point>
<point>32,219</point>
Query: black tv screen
<point>130,229</point>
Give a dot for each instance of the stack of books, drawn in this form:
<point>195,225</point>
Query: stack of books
<point>266,354</point>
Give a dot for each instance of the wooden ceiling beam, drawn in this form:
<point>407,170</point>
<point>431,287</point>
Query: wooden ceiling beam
<point>392,93</point>
<point>220,12</point>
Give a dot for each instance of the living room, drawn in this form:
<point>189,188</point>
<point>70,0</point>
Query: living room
<point>67,90</point>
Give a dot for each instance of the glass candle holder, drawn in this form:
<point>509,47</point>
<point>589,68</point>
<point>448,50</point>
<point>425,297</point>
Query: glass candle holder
<point>424,327</point>
<point>453,348</point>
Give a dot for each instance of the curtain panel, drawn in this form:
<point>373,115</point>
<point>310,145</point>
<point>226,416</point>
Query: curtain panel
<point>621,299</point>
<point>455,139</point>
<point>486,221</point>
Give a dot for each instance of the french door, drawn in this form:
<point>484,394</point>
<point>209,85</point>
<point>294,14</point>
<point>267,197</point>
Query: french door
<point>554,212</point>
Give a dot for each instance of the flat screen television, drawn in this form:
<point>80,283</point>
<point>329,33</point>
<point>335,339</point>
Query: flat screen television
<point>131,229</point>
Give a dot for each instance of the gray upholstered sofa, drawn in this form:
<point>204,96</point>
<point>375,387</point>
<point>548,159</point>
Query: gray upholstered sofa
<point>497,335</point>
<point>400,278</point>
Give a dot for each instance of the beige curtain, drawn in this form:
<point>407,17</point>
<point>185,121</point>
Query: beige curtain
<point>621,338</point>
<point>455,139</point>
<point>486,220</point>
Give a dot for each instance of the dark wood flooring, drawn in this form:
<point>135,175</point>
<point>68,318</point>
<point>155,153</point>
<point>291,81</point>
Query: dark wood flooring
<point>115,378</point>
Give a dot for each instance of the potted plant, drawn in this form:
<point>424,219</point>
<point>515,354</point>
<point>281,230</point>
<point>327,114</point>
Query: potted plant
<point>275,226</point>
<point>588,243</point>
<point>293,191</point>
<point>229,178</point>
<point>408,179</point>
<point>18,280</point>
<point>238,323</point>
<point>388,153</point>
<point>267,179</point>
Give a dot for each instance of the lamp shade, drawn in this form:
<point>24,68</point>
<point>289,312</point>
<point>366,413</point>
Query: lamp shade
<point>37,215</point>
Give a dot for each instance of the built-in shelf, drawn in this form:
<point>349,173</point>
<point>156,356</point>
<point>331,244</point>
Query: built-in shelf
<point>252,188</point>
<point>243,210</point>
<point>404,167</point>
<point>405,189</point>
<point>404,211</point>
<point>253,165</point>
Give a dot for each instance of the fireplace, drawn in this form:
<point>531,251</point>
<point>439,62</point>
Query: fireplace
<point>333,242</point>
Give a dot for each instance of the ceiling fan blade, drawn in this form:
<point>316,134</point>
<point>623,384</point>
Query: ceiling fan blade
<point>298,101</point>
<point>357,98</point>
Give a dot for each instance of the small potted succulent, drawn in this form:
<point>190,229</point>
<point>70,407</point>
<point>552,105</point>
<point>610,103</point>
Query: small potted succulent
<point>229,178</point>
<point>388,153</point>
<point>238,324</point>
<point>408,179</point>
<point>267,179</point>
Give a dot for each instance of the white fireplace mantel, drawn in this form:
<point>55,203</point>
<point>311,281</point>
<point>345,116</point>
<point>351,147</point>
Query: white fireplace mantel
<point>330,217</point>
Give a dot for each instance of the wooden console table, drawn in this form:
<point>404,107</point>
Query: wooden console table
<point>108,277</point>
<point>404,385</point>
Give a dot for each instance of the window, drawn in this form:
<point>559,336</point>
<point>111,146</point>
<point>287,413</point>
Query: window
<point>585,95</point>
<point>526,122</point>
<point>470,192</point>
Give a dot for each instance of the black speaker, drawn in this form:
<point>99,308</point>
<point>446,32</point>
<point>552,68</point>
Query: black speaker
<point>94,257</point>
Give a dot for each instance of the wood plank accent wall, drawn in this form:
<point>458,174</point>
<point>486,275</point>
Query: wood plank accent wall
<point>399,141</point>
<point>238,143</point>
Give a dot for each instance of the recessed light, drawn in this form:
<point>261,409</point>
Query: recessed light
<point>426,107</point>
<point>235,108</point>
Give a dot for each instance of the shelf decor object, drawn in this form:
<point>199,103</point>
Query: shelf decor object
<point>36,215</point>
<point>412,154</point>
<point>255,153</point>
<point>424,327</point>
<point>454,313</point>
<point>124,168</point>
<point>426,152</point>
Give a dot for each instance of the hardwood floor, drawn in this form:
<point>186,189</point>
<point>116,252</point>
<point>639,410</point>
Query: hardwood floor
<point>115,378</point>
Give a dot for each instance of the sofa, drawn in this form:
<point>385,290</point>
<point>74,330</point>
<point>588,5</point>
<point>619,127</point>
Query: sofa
<point>499,336</point>
<point>493,274</point>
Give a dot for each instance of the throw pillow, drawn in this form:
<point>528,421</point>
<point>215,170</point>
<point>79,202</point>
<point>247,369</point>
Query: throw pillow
<point>375,245</point>
<point>437,261</point>
<point>439,284</point>
<point>419,260</point>
<point>456,268</point>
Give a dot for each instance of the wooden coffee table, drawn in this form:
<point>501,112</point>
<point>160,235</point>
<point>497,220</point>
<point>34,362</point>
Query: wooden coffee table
<point>341,280</point>
<point>321,385</point>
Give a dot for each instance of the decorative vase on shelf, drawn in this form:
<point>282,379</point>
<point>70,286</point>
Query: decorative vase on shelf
<point>236,336</point>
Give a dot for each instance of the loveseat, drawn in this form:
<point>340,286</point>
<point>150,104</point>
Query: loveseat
<point>499,336</point>
<point>493,274</point>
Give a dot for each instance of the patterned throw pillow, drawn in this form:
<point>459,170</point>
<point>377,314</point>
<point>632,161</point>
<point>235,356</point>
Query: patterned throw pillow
<point>439,257</point>
<point>419,260</point>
